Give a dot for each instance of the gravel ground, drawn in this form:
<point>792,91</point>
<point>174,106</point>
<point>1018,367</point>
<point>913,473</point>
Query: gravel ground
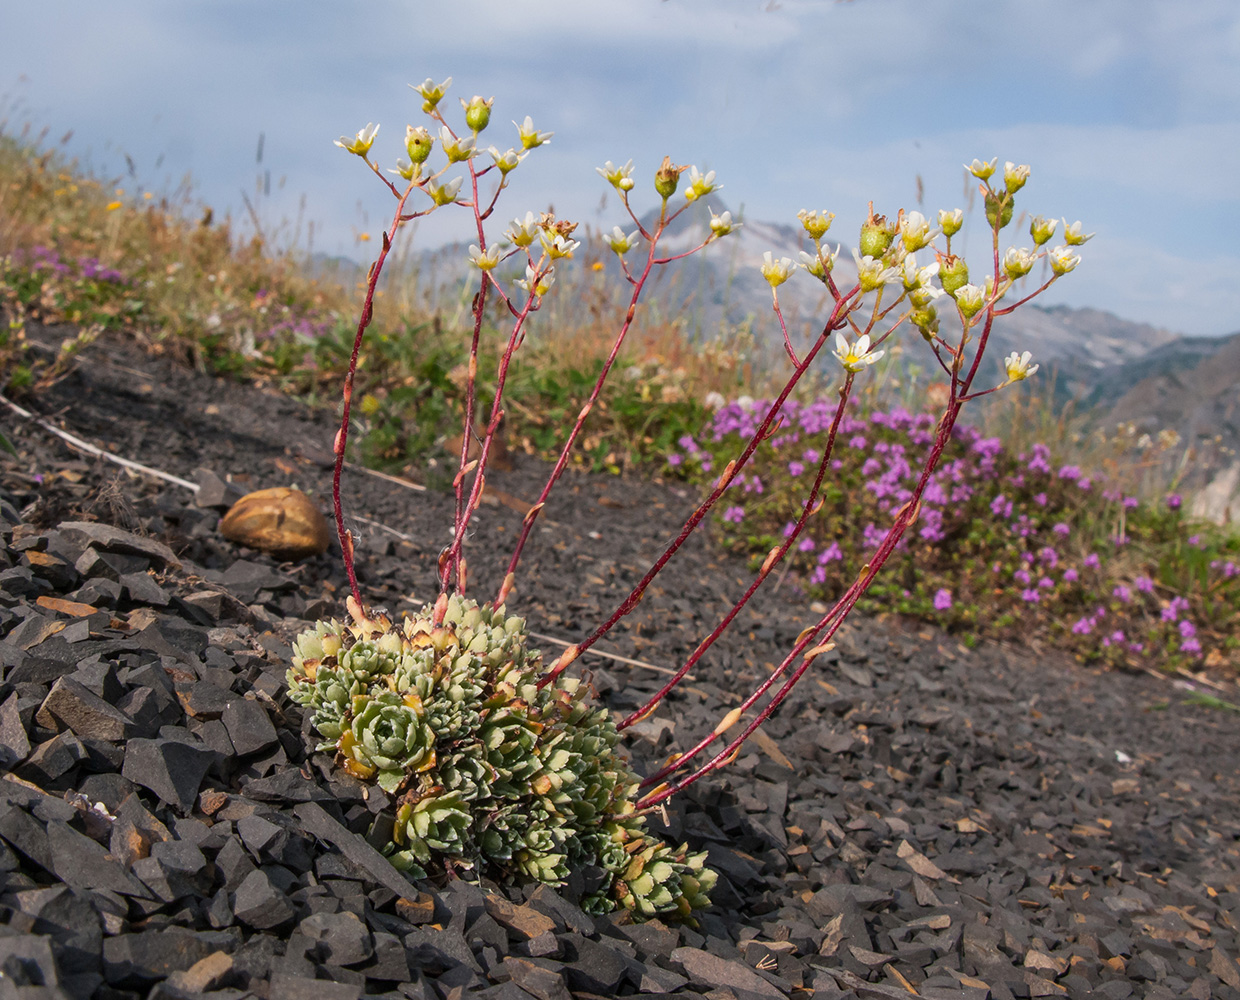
<point>919,819</point>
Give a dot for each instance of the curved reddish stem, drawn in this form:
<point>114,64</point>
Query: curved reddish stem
<point>725,480</point>
<point>773,559</point>
<point>342,435</point>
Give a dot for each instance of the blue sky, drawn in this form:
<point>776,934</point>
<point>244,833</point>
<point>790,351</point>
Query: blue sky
<point>1127,110</point>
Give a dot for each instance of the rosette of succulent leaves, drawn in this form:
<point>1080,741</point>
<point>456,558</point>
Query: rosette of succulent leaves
<point>490,774</point>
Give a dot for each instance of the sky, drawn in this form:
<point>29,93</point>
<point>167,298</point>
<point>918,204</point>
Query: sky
<point>1128,112</point>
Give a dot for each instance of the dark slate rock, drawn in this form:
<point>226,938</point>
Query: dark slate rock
<point>264,839</point>
<point>26,960</point>
<point>107,538</point>
<point>135,959</point>
<point>72,705</point>
<point>213,491</point>
<point>541,982</point>
<point>172,769</point>
<point>99,592</point>
<point>286,987</point>
<point>14,741</point>
<point>594,967</point>
<point>249,726</point>
<point>342,938</point>
<point>260,904</point>
<point>142,589</point>
<point>52,760</point>
<point>84,864</point>
<point>316,822</point>
<point>101,565</point>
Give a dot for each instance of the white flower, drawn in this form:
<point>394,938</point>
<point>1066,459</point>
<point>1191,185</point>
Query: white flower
<point>620,243</point>
<point>443,194</point>
<point>981,169</point>
<point>1015,176</point>
<point>871,273</point>
<point>713,400</point>
<point>950,222</point>
<point>455,148</point>
<point>533,283</point>
<point>816,223</point>
<point>531,138</point>
<point>556,245</point>
<point>484,261</point>
<point>915,231</point>
<point>1018,367</point>
<point>813,264</point>
<point>362,143</point>
<point>699,185</point>
<point>409,171</point>
<point>621,178</point>
<point>506,161</point>
<point>858,356</point>
<point>1062,260</point>
<point>432,93</point>
<point>776,272</point>
<point>970,298</point>
<point>1041,229</point>
<point>918,277</point>
<point>1018,262</point>
<point>721,225</point>
<point>523,232</point>
<point>1073,236</point>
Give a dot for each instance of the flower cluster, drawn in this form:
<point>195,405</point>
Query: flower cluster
<point>1001,538</point>
<point>489,773</point>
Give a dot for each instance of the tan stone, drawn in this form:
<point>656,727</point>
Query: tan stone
<point>282,521</point>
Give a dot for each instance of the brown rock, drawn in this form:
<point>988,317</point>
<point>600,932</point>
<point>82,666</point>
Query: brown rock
<point>282,521</point>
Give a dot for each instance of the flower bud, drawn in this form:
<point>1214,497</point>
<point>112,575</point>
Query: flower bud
<point>477,113</point>
<point>418,142</point>
<point>721,225</point>
<point>1015,176</point>
<point>816,223</point>
<point>876,235</point>
<point>1042,230</point>
<point>950,222</point>
<point>953,273</point>
<point>667,177</point>
<point>926,319</point>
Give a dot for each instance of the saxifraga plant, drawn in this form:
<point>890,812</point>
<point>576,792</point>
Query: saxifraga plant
<point>498,765</point>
